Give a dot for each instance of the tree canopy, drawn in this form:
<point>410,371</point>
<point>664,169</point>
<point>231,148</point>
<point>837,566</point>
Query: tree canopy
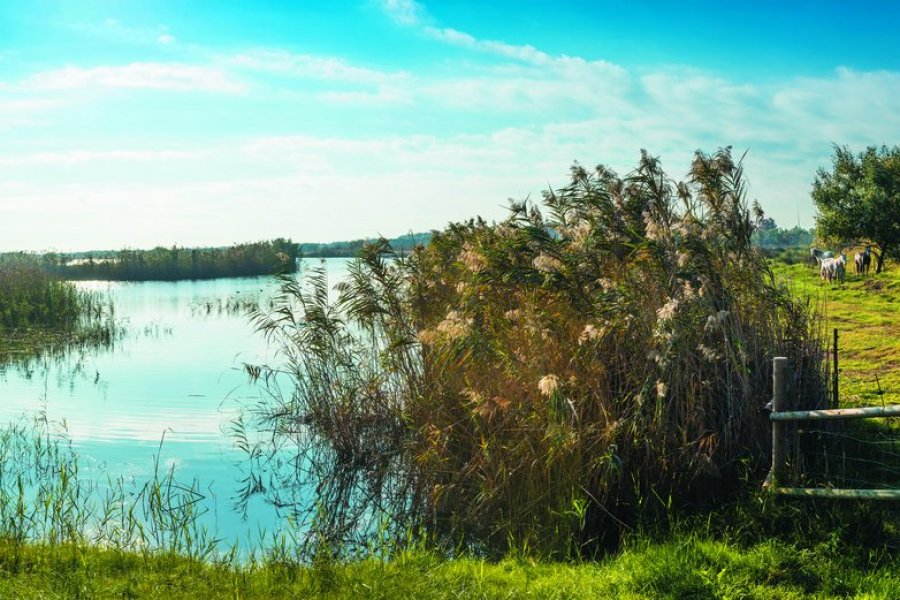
<point>859,199</point>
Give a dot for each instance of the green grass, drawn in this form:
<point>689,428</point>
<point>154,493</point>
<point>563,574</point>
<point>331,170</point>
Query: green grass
<point>687,567</point>
<point>866,311</point>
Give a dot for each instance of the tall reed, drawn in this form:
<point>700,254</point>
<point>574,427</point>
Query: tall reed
<point>542,384</point>
<point>41,315</point>
<point>45,497</point>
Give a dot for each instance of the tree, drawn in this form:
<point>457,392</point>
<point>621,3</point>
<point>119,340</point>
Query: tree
<point>767,224</point>
<point>860,199</point>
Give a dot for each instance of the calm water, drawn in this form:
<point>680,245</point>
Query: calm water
<point>176,373</point>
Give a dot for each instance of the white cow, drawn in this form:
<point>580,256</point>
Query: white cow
<point>834,268</point>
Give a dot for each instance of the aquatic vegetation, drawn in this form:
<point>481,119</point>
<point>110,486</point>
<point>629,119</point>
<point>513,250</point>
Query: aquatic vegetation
<point>543,384</point>
<point>234,304</point>
<point>46,497</point>
<point>29,297</point>
<point>42,316</point>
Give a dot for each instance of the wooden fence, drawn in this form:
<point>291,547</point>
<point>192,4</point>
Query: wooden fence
<point>780,474</point>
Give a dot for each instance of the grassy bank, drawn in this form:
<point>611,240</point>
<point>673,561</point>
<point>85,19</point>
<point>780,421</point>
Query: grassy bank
<point>685,567</point>
<point>866,311</point>
<point>55,543</point>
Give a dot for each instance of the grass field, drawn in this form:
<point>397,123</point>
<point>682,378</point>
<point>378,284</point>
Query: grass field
<point>866,312</point>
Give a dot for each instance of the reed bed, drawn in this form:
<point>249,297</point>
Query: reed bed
<point>545,384</point>
<point>42,316</point>
<point>232,305</point>
<point>30,297</point>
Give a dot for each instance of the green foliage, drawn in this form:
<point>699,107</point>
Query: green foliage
<point>59,538</point>
<point>684,567</point>
<point>44,498</point>
<point>541,385</point>
<point>859,200</point>
<point>776,237</point>
<point>170,264</point>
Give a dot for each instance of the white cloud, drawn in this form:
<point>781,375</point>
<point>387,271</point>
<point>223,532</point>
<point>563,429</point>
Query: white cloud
<point>148,75</point>
<point>384,95</point>
<point>77,157</point>
<point>116,30</point>
<point>532,114</point>
<point>405,12</point>
<point>524,53</point>
<point>17,112</point>
<point>309,66</point>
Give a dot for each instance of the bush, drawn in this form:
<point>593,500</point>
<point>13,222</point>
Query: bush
<point>539,385</point>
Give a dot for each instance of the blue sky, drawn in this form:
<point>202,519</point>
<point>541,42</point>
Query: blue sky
<point>194,122</point>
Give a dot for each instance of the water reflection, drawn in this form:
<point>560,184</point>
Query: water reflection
<point>177,370</point>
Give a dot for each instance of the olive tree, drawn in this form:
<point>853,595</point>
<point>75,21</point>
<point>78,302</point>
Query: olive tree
<point>860,199</point>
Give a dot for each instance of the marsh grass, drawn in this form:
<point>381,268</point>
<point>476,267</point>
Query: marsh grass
<point>67,531</point>
<point>544,385</point>
<point>232,305</point>
<point>45,497</point>
<point>44,318</point>
<point>30,297</point>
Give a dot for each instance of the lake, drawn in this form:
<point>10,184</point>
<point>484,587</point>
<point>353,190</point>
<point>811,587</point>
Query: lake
<point>176,375</point>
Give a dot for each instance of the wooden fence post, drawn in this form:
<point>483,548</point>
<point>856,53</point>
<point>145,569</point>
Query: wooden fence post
<point>835,400</point>
<point>781,378</point>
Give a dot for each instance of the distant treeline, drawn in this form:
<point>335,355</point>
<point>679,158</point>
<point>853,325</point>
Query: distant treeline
<point>352,248</point>
<point>769,235</point>
<point>170,264</point>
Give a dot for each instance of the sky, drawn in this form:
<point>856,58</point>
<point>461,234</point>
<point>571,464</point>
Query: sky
<point>192,122</point>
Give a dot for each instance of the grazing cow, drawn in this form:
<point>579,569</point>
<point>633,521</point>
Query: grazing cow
<point>832,269</point>
<point>863,261</point>
<point>820,255</point>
